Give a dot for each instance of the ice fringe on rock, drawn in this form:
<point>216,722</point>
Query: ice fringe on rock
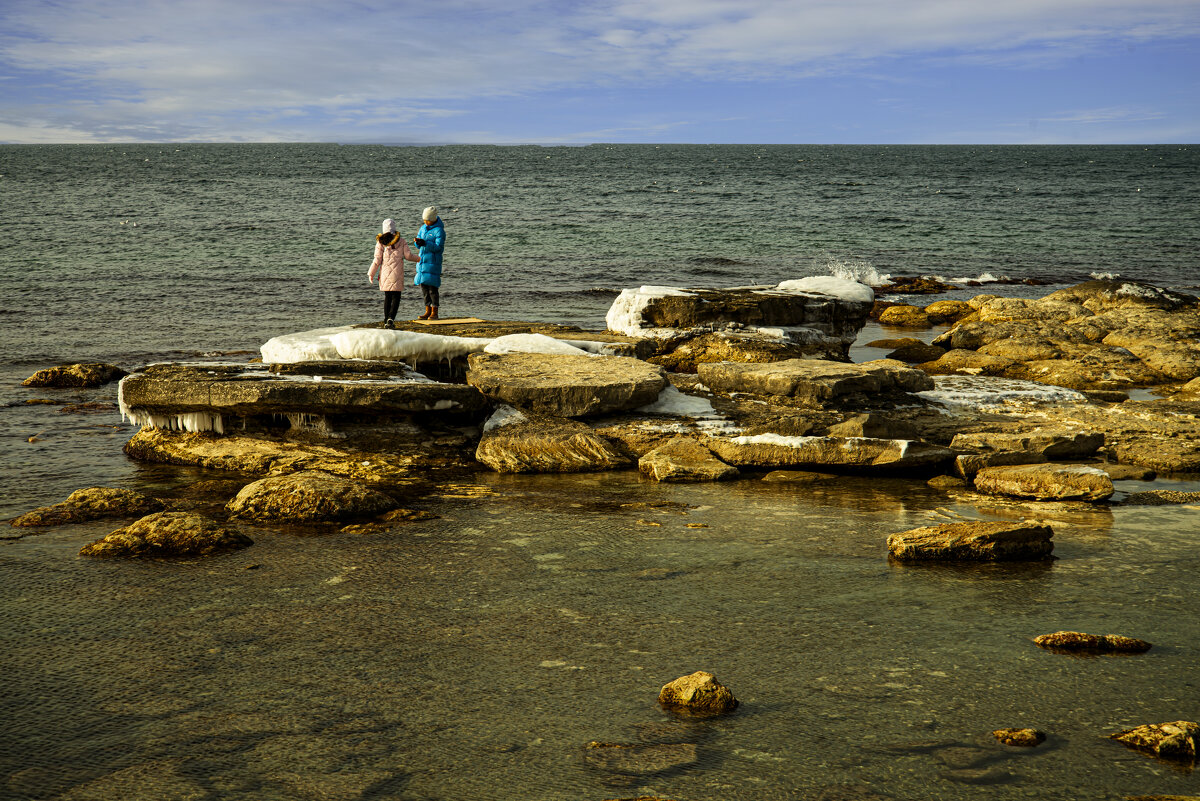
<point>532,343</point>
<point>378,343</point>
<point>194,422</point>
<point>625,314</point>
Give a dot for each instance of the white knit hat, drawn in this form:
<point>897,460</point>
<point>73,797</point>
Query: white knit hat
<point>430,213</point>
<point>389,226</point>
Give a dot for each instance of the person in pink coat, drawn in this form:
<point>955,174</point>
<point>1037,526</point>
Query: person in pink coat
<point>391,251</point>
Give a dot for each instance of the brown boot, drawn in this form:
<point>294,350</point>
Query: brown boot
<point>433,313</point>
<point>428,311</point>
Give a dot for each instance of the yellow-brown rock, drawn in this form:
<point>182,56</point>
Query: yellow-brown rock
<point>1078,641</point>
<point>90,374</point>
<point>93,503</point>
<point>1175,740</point>
<point>904,316</point>
<point>1027,738</point>
<point>698,693</point>
<point>976,541</point>
<point>307,497</point>
<point>168,534</point>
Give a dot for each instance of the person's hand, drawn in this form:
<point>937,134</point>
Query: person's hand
<point>419,242</point>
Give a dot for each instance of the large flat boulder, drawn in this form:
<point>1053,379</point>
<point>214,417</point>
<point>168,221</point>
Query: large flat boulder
<point>1046,482</point>
<point>162,395</point>
<point>683,459</point>
<point>1050,444</point>
<point>973,542</point>
<point>814,381</point>
<point>565,385</point>
<point>519,442</point>
<point>773,450</point>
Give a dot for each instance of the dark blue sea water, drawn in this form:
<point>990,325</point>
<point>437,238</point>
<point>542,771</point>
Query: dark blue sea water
<point>472,656</point>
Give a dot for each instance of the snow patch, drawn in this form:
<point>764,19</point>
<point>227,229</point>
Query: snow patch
<point>532,343</point>
<point>988,392</point>
<point>625,314</point>
<point>774,439</point>
<point>841,288</point>
<point>303,346</point>
<point>379,343</point>
<point>675,403</point>
<point>503,416</point>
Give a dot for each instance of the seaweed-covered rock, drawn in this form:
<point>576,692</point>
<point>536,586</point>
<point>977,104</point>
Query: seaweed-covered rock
<point>1046,482</point>
<point>1175,740</point>
<point>699,693</point>
<point>93,503</point>
<point>1026,738</point>
<point>89,374</point>
<point>683,459</point>
<point>306,497</point>
<point>169,534</point>
<point>976,541</point>
<point>1077,641</point>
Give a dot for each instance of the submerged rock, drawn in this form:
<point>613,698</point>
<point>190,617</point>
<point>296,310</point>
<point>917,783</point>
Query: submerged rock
<point>1175,740</point>
<point>533,443</point>
<point>93,503</point>
<point>90,374</point>
<point>974,542</point>
<point>1026,738</point>
<point>1159,498</point>
<point>1076,641</point>
<point>639,759</point>
<point>566,386</point>
<point>698,693</point>
<point>169,534</point>
<point>306,497</point>
<point>683,459</point>
<point>1046,482</point>
<point>797,477</point>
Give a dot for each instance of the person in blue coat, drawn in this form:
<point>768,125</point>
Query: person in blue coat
<point>430,241</point>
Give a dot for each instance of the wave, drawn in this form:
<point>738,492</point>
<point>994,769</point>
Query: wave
<point>1099,276</point>
<point>861,271</point>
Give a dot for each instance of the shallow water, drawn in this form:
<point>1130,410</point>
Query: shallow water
<point>473,656</point>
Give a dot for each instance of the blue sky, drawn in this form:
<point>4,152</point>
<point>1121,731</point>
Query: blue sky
<point>518,71</point>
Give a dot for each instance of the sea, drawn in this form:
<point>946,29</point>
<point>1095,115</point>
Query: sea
<point>475,655</point>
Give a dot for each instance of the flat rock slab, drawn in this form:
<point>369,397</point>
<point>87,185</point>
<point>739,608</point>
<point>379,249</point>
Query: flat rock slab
<point>684,460</point>
<point>973,542</point>
<point>175,389</point>
<point>544,444</point>
<point>772,450</point>
<point>564,385</point>
<point>1050,444</point>
<point>1046,482</point>
<point>814,381</point>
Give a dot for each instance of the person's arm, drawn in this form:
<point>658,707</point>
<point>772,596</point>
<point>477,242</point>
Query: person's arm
<point>406,252</point>
<point>435,239</point>
<point>376,263</point>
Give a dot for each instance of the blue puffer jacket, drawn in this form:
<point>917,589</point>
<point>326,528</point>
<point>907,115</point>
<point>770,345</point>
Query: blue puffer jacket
<point>429,268</point>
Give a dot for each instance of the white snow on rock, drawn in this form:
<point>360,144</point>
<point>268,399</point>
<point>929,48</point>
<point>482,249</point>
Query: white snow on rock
<point>625,314</point>
<point>988,392</point>
<point>380,343</point>
<point>773,439</point>
<point>303,346</point>
<point>841,288</point>
<point>532,343</point>
<point>675,403</point>
<point>503,416</point>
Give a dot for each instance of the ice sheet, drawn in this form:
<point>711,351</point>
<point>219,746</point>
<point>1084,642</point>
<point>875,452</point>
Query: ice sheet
<point>842,288</point>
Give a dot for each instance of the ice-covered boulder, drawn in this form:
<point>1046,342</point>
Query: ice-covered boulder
<point>564,385</point>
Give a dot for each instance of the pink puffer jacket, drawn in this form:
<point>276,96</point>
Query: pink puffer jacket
<point>391,259</point>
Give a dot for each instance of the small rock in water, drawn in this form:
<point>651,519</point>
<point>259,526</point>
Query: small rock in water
<point>1077,641</point>
<point>698,693</point>
<point>946,482</point>
<point>1175,740</point>
<point>168,534</point>
<point>797,476</point>
<point>308,496</point>
<point>93,503</point>
<point>684,460</point>
<point>974,541</point>
<point>1160,498</point>
<point>1020,737</point>
<point>1046,482</point>
<point>91,374</point>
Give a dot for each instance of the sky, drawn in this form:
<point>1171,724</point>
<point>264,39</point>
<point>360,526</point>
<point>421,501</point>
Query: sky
<point>584,71</point>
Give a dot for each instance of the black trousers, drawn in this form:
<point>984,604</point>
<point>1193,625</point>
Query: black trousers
<point>391,305</point>
<point>430,293</point>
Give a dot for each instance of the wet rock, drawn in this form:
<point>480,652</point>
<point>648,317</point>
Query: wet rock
<point>90,374</point>
<point>734,347</point>
<point>684,460</point>
<point>1128,472</point>
<point>533,443</point>
<point>93,503</point>
<point>306,497</point>
<point>914,285</point>
<point>798,477</point>
<point>1160,498</point>
<point>1173,455</point>
<point>960,361</point>
<point>698,693</point>
<point>92,407</point>
<point>1046,482</point>
<point>1076,641</point>
<point>1049,444</point>
<point>948,311</point>
<point>639,759</point>
<point>875,426</point>
<point>917,353</point>
<point>946,482</point>
<point>973,541</point>
<point>814,381</point>
<point>168,534</point>
<point>1176,740</point>
<point>771,450</point>
<point>407,516</point>
<point>1026,738</point>
<point>566,386</point>
<point>904,316</point>
<point>967,465</point>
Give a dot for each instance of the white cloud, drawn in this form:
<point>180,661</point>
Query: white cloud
<point>195,68</point>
